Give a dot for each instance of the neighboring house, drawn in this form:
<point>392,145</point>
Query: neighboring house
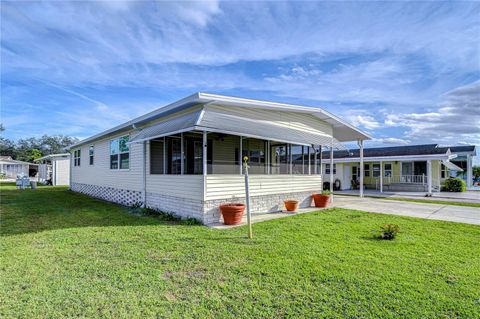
<point>401,168</point>
<point>186,157</point>
<point>54,168</point>
<point>464,160</point>
<point>11,168</point>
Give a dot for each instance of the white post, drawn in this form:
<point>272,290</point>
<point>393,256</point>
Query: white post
<point>240,156</point>
<point>291,158</point>
<point>182,158</point>
<point>381,177</point>
<point>267,158</point>
<point>331,171</point>
<point>429,177</point>
<point>469,171</point>
<point>309,160</point>
<point>360,144</point>
<point>315,170</point>
<point>164,156</point>
<point>247,199</point>
<point>204,163</point>
<point>321,165</point>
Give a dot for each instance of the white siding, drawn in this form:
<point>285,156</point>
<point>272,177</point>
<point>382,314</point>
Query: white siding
<point>100,173</point>
<point>228,186</point>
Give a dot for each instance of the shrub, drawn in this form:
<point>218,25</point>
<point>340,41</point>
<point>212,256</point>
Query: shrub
<point>388,231</point>
<point>191,221</point>
<point>326,192</point>
<point>455,185</point>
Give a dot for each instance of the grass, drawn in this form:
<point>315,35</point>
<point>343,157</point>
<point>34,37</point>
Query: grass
<point>65,255</point>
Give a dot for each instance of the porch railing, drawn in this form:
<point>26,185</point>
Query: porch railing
<point>405,179</point>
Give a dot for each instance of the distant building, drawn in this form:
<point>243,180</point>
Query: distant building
<point>11,168</point>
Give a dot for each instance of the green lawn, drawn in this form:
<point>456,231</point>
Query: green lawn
<point>64,255</point>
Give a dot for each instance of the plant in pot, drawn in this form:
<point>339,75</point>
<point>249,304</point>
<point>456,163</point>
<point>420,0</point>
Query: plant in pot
<point>322,199</point>
<point>232,213</point>
<point>291,205</point>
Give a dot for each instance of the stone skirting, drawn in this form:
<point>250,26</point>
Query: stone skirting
<point>258,204</point>
<point>120,196</point>
<point>206,212</point>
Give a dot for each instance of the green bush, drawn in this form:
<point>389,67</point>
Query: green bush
<point>388,231</point>
<point>455,185</point>
<point>326,192</point>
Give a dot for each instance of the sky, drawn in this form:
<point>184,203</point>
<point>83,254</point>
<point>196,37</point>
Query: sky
<point>405,72</point>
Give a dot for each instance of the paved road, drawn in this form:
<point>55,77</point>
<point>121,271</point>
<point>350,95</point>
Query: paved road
<point>460,214</point>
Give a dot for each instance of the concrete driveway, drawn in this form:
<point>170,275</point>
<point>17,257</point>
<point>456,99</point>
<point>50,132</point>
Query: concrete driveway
<point>459,214</point>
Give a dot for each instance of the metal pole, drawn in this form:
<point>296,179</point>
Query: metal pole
<point>204,163</point>
<point>240,156</point>
<point>144,174</point>
<point>291,158</point>
<point>331,171</point>
<point>360,144</point>
<point>182,165</point>
<point>321,165</point>
<point>309,160</point>
<point>164,156</point>
<point>429,177</point>
<point>315,169</point>
<point>247,199</point>
<point>381,177</point>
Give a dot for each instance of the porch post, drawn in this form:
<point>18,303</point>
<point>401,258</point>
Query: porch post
<point>182,158</point>
<point>240,156</point>
<point>331,170</point>
<point>429,176</point>
<point>381,177</point>
<point>360,144</point>
<point>469,171</point>
<point>164,156</point>
<point>204,164</point>
<point>321,165</point>
<point>309,160</point>
<point>267,159</point>
<point>315,170</point>
<point>291,158</point>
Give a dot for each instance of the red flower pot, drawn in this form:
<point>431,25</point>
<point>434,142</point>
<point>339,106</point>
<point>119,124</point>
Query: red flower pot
<point>291,205</point>
<point>232,213</point>
<point>321,200</point>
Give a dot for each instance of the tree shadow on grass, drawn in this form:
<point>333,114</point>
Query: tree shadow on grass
<point>50,208</point>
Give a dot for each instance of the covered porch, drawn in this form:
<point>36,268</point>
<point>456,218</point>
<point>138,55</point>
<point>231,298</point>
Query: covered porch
<point>199,155</point>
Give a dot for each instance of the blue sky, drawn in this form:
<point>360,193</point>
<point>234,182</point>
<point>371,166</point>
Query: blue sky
<point>406,72</point>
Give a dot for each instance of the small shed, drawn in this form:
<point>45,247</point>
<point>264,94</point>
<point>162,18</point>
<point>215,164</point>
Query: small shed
<point>54,168</point>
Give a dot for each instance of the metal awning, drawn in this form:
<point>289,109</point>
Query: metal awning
<point>170,126</point>
<point>452,166</point>
<point>211,120</point>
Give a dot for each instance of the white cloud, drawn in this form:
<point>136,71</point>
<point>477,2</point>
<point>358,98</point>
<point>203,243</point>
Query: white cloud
<point>390,141</point>
<point>457,118</point>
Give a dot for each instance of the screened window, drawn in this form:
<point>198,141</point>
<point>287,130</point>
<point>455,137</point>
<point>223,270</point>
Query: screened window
<point>388,170</point>
<point>376,170</point>
<point>76,158</point>
<point>327,168</point>
<point>119,153</point>
<point>91,152</point>
<point>366,170</point>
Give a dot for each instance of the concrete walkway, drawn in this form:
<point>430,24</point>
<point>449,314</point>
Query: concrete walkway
<point>470,196</point>
<point>459,214</point>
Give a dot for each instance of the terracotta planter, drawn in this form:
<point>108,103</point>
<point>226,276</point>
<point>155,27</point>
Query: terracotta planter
<point>291,205</point>
<point>321,200</point>
<point>232,213</point>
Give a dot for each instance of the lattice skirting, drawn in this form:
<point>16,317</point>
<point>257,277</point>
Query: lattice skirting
<point>116,195</point>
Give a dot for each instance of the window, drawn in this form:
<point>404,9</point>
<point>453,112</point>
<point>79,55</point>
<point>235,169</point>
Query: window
<point>376,170</point>
<point>366,170</point>
<point>119,153</point>
<point>387,170</point>
<point>76,158</point>
<point>327,168</point>
<point>90,154</point>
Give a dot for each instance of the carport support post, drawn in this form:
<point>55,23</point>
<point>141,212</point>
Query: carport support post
<point>360,145</point>
<point>247,199</point>
<point>381,177</point>
<point>429,177</point>
<point>204,163</point>
<point>331,170</point>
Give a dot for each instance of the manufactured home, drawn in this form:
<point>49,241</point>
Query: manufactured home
<point>54,169</point>
<point>414,168</point>
<point>186,157</point>
<point>11,168</point>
